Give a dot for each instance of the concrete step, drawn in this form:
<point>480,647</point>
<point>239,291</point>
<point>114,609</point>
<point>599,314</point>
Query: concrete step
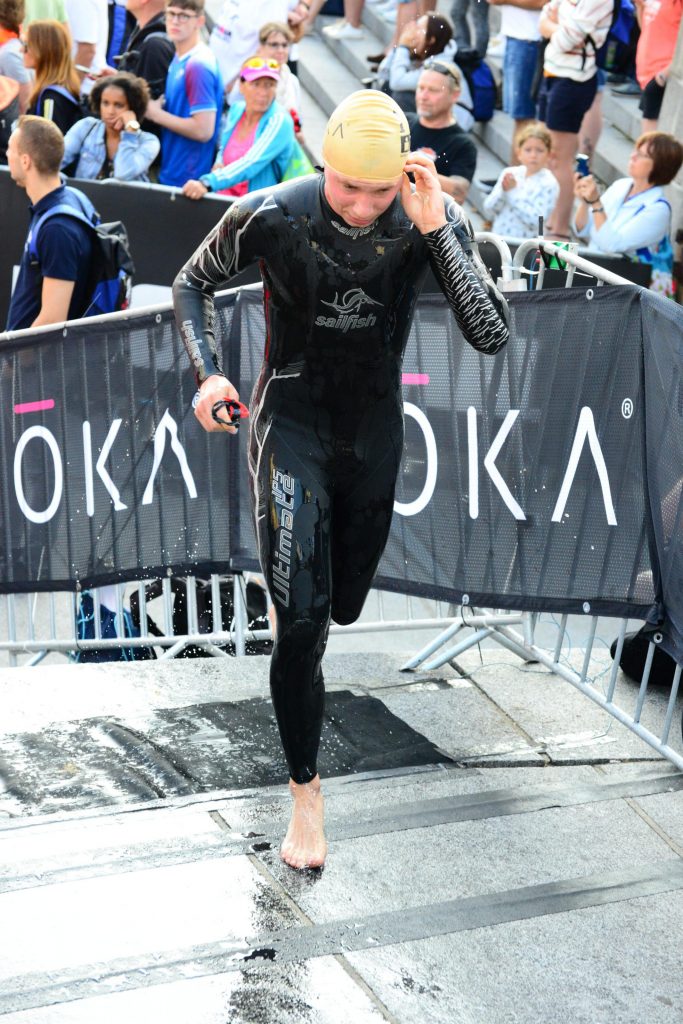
<point>314,119</point>
<point>496,135</point>
<point>622,112</point>
<point>610,159</point>
<point>321,75</point>
<point>380,28</point>
<point>351,52</point>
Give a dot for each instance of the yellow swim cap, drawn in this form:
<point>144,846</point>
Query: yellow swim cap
<point>367,137</point>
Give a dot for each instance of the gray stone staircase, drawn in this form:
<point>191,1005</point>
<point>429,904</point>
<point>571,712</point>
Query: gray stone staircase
<point>325,82</point>
<point>330,69</point>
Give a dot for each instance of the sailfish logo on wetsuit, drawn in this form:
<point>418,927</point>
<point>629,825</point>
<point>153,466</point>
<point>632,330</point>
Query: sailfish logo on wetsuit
<point>347,311</point>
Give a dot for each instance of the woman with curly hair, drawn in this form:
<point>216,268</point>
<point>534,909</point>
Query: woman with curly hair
<point>11,49</point>
<point>111,144</point>
<point>56,92</point>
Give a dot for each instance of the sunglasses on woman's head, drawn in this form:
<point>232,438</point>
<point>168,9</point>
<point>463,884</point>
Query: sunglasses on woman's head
<point>258,63</point>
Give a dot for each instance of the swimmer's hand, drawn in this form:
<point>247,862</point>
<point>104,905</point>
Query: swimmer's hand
<point>424,205</point>
<point>214,389</point>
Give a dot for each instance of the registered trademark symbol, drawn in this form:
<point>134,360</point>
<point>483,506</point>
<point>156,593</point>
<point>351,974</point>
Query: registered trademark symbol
<point>627,408</point>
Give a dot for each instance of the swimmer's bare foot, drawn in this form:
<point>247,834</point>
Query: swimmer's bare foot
<point>305,846</point>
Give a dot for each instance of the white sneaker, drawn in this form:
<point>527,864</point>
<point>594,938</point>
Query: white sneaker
<point>496,47</point>
<point>345,30</point>
<point>331,30</point>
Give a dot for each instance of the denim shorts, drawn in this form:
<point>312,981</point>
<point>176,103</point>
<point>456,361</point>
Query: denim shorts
<point>520,64</point>
<point>562,102</point>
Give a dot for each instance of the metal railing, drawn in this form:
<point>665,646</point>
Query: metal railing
<point>38,624</point>
<point>443,650</point>
<point>570,256</point>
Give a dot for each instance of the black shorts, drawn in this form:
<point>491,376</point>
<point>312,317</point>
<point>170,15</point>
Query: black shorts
<point>651,100</point>
<point>562,102</point>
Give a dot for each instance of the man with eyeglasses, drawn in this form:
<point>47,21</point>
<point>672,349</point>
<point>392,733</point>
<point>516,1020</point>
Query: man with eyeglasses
<point>343,257</point>
<point>434,130</point>
<point>189,111</point>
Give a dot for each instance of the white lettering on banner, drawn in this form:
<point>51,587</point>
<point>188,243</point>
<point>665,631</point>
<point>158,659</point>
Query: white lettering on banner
<point>473,461</point>
<point>411,508</point>
<point>99,466</point>
<point>167,423</point>
<point>48,437</point>
<point>489,463</point>
<point>585,429</point>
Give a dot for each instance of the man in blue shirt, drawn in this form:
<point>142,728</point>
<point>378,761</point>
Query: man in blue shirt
<point>55,288</point>
<point>189,112</point>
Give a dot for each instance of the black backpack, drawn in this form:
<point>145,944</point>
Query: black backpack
<point>634,654</point>
<point>7,118</point>
<point>111,275</point>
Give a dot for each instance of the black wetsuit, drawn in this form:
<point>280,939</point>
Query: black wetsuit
<point>326,413</point>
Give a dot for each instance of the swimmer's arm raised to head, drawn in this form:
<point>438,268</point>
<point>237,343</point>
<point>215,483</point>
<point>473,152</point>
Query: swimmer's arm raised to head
<point>479,308</point>
<point>237,241</point>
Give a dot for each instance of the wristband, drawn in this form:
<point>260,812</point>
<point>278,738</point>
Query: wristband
<point>597,209</point>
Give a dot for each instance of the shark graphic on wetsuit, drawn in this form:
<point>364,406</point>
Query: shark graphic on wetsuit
<point>326,412</point>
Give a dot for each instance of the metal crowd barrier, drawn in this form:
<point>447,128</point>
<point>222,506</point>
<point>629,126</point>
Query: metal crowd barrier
<point>61,627</point>
<point>58,631</point>
<point>523,644</point>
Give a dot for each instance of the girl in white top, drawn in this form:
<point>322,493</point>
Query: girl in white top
<point>526,192</point>
<point>633,216</point>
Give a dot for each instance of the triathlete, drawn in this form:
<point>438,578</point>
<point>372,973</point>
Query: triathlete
<point>342,256</point>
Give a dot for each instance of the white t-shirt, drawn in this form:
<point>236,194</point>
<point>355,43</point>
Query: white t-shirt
<point>518,23</point>
<point>235,36</point>
<point>12,62</point>
<point>89,23</point>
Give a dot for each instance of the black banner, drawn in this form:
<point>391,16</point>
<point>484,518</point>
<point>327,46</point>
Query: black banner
<point>164,229</point>
<point>546,478</point>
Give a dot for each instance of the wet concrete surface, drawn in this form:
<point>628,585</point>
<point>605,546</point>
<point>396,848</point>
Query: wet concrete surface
<point>534,872</point>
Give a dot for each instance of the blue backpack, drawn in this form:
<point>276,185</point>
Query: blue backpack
<point>109,628</point>
<point>618,35</point>
<point>111,273</point>
<point>481,82</point>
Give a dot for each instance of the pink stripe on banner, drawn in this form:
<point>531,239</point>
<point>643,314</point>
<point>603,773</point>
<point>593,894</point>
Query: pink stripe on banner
<point>46,403</point>
<point>415,378</point>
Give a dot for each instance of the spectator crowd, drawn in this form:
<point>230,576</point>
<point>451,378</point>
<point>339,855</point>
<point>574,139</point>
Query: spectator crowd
<point>140,90</point>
